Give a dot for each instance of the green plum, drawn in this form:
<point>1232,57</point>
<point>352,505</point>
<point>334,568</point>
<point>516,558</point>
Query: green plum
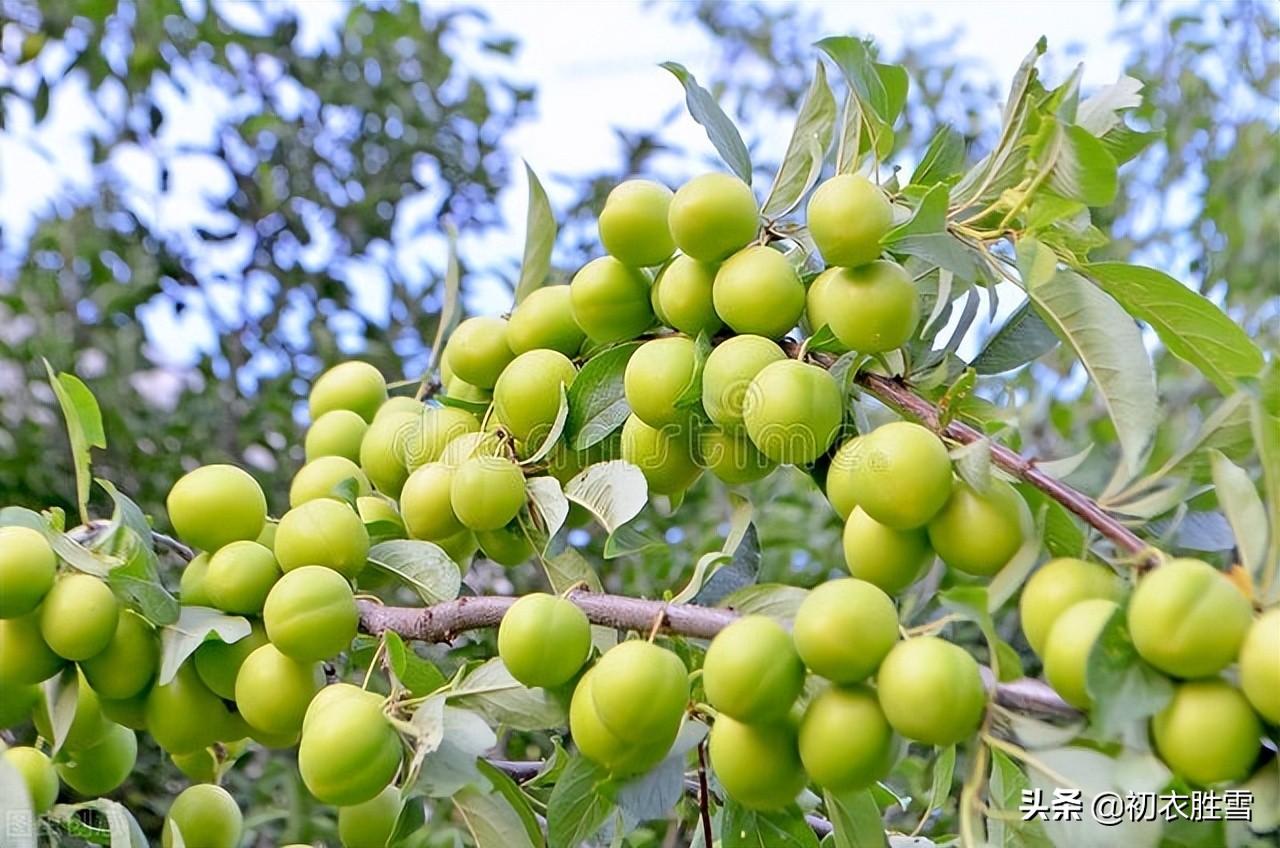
<point>729,369</point>
<point>681,296</point>
<point>25,658</point>
<point>273,690</point>
<point>732,457</point>
<point>336,433</point>
<point>184,715</point>
<point>847,216</point>
<point>839,486</point>
<point>640,691</point>
<point>370,825</point>
<point>844,629</point>
<point>657,374</point>
<point>871,309</point>
<point>319,477</point>
<point>527,397</point>
<point>478,350</point>
<point>79,616</point>
<point>487,492</point>
<point>664,456</point>
<point>103,767</point>
<point>891,559</point>
<point>979,532</point>
<point>206,816</point>
<point>1207,734</point>
<point>1260,665</point>
<point>713,215</point>
<point>218,663</point>
<point>240,576</point>
<point>1067,648</point>
<point>425,505</point>
<point>38,776</point>
<point>752,671</point>
<point>1055,587</point>
<point>931,691</point>
<point>610,301</point>
<point>757,291</point>
<point>27,566</point>
<point>793,411</point>
<point>355,386</point>
<point>544,319</point>
<point>323,532</point>
<point>508,545</point>
<point>846,742</point>
<point>633,223</point>
<point>349,752</point>
<point>311,614</point>
<point>757,764</point>
<point>216,504</point>
<point>130,660</point>
<point>544,640</point>
<point>900,475</point>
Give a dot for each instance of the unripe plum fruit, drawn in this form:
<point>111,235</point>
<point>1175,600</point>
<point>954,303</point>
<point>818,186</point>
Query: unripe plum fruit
<point>844,629</point>
<point>370,825</point>
<point>757,764</point>
<point>128,663</point>
<point>728,371</point>
<point>79,616</point>
<point>384,451</point>
<point>206,816</point>
<point>336,693</point>
<point>664,456</point>
<point>871,309</point>
<point>544,640</point>
<point>847,216</point>
<point>216,504</point>
<point>184,715</point>
<point>356,386</point>
<point>27,566</point>
<point>713,215</point>
<point>839,487</point>
<point>218,663</point>
<point>888,558</point>
<point>1207,733</point>
<point>931,691</point>
<point>610,301</point>
<point>527,397</point>
<point>349,751</point>
<point>633,223</point>
<point>1188,619</point>
<point>311,614</point>
<point>752,671</point>
<point>101,768</point>
<point>1260,665</point>
<point>507,545</point>
<point>845,740</point>
<point>425,505</point>
<point>900,474</point>
<point>682,298</point>
<point>130,712</point>
<point>757,291</point>
<point>640,691</point>
<point>398,404</point>
<point>793,411</point>
<point>374,509</point>
<point>460,547</point>
<point>239,577</point>
<point>322,532</point>
<point>318,478</point>
<point>598,744</point>
<point>38,776</point>
<point>273,690</point>
<point>200,766</point>
<point>979,532</point>
<point>18,702</point>
<point>1055,587</point>
<point>1067,648</point>
<point>25,658</point>
<point>544,319</point>
<point>87,724</point>
<point>336,433</point>
<point>657,374</point>
<point>191,589</point>
<point>732,457</point>
<point>439,426</point>
<point>487,492</point>
<point>478,350</point>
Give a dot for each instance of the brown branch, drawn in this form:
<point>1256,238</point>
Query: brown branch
<point>704,795</point>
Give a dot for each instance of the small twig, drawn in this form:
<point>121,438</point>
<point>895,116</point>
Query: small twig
<point>704,796</point>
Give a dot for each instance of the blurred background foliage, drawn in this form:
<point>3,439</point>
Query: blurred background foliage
<point>320,172</point>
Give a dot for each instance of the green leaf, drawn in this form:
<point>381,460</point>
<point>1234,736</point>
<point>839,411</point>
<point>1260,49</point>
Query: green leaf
<point>973,603</point>
<point>942,159</point>
<point>61,693</point>
<point>1190,325</point>
<point>855,62</point>
<point>569,568</point>
<point>547,504</point>
<point>856,819</point>
<point>772,599</point>
<point>740,571</point>
<point>452,766</point>
<point>493,820</point>
<point>491,691</point>
<point>1264,418</point>
<point>552,437</point>
<point>807,150</point>
<point>539,238</point>
<point>628,539</point>
<point>511,792</point>
<point>943,771</point>
<point>577,808</point>
<point>1101,111</point>
<point>1122,686</point>
<point>1006,785</point>
<point>613,492</point>
<point>654,794</point>
<point>1093,773</point>
<point>785,828</point>
<point>973,463</point>
<point>1124,143</point>
<point>1085,170</point>
<point>930,216</point>
<point>416,674</point>
<point>597,402</point>
<point>1244,509</point>
<point>137,578</point>
<point>449,304</point>
<point>723,134</point>
<point>945,251</point>
<point>1106,340</point>
<point>195,624</point>
<point>68,549</point>
<point>1023,338</point>
<point>84,428</point>
<point>878,95</point>
<point>423,565</point>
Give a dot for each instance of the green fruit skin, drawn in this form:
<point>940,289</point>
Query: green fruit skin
<point>1260,665</point>
<point>87,724</point>
<point>460,547</point>
<point>633,223</point>
<point>323,532</point>
<point>397,405</point>
<point>370,825</point>
<point>206,816</point>
<point>900,475</point>
<point>356,386</point>
<point>728,371</point>
<point>37,773</point>
<point>712,216</point>
<point>311,614</point>
<point>318,478</point>
<point>793,411</point>
<point>24,656</point>
<point>845,740</point>
<point>544,319</point>
<point>487,492</point>
<point>130,712</point>
<point>600,745</point>
<point>200,766</point>
<point>871,309</point>
<point>273,690</point>
<point>657,374</point>
<point>664,456</point>
<point>979,533</point>
<point>732,457</point>
<point>526,398</point>
<point>27,566</point>
<point>640,691</point>
<point>239,577</point>
<point>757,291</point>
<point>425,505</point>
<point>1066,652</point>
<point>888,558</point>
<point>129,662</point>
<point>104,767</point>
<point>216,504</point>
<point>1188,619</point>
<point>191,589</point>
<point>931,691</point>
<point>336,433</point>
<point>440,425</point>
<point>1207,734</point>
<point>384,456</point>
<point>506,546</point>
<point>184,715</point>
<point>336,693</point>
<point>1057,586</point>
<point>840,489</point>
<point>682,299</point>
<point>544,640</point>
<point>349,752</point>
<point>610,301</point>
<point>847,216</point>
<point>18,702</point>
<point>844,629</point>
<point>79,617</point>
<point>374,508</point>
<point>757,764</point>
<point>752,671</point>
<point>218,663</point>
<point>478,350</point>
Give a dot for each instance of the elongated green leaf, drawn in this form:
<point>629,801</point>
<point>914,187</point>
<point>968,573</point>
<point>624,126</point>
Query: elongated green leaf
<point>1024,337</point>
<point>878,93</point>
<point>1100,112</point>
<point>548,503</point>
<point>449,301</point>
<point>511,791</point>
<point>577,808</point>
<point>84,428</point>
<point>539,238</point>
<point>491,691</point>
<point>423,565</point>
<point>137,578</point>
<point>613,492</point>
<point>772,599</point>
<point>494,819</point>
<point>942,159</point>
<point>744,828</point>
<point>1244,509</point>
<point>1190,325</point>
<point>1264,415</point>
<point>416,674</point>
<point>854,60</point>
<point>723,134</point>
<point>802,163</point>
<point>1122,686</point>
<point>597,401</point>
<point>1085,170</point>
<point>945,251</point>
<point>195,624</point>
<point>930,216</point>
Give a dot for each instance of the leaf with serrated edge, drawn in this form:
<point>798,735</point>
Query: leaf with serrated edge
<point>614,492</point>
